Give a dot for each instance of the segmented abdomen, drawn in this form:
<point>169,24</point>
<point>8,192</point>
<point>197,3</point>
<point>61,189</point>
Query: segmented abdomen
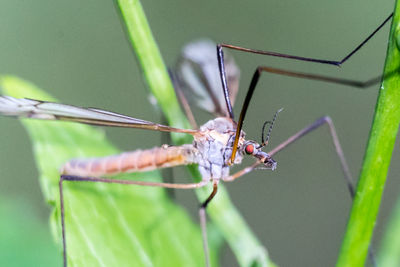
<point>135,161</point>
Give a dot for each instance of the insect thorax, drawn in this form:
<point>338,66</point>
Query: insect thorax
<point>214,148</point>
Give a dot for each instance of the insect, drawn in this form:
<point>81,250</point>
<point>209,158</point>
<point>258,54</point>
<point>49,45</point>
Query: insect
<point>243,146</point>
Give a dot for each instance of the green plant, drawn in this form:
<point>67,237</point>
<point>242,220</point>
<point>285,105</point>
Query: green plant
<point>57,143</point>
<point>377,158</point>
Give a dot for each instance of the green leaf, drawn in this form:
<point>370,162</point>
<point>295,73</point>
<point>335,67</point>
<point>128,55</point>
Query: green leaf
<point>106,224</point>
<point>377,158</point>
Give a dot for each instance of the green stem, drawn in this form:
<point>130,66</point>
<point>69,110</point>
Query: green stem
<point>377,159</point>
<point>152,64</point>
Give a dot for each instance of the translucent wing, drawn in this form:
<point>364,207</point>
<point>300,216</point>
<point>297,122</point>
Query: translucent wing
<point>29,108</point>
<point>198,76</point>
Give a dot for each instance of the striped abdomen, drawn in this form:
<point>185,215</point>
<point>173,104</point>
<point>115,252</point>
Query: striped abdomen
<point>135,161</point>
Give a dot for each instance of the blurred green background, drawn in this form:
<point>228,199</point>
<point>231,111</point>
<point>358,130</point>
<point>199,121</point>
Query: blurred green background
<point>77,51</point>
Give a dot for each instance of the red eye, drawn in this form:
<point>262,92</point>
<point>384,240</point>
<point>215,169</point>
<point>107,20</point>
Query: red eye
<point>249,149</point>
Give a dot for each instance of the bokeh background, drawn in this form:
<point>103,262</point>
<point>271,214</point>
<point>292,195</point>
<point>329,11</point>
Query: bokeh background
<point>77,51</point>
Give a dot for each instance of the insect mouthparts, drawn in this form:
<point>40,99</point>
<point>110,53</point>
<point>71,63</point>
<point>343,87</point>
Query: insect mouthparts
<point>274,165</point>
<point>270,163</point>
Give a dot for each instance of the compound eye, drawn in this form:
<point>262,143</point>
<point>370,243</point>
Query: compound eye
<point>249,149</point>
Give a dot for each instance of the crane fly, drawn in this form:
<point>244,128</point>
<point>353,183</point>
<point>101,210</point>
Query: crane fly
<point>217,145</point>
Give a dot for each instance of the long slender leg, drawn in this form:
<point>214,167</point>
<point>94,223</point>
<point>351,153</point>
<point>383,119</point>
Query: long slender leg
<point>203,222</point>
<point>186,107</point>
<point>338,149</point>
<point>315,125</point>
<point>62,222</point>
<point>113,181</point>
<point>184,102</point>
<point>339,152</point>
<point>221,63</point>
<point>309,76</point>
<point>242,172</point>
